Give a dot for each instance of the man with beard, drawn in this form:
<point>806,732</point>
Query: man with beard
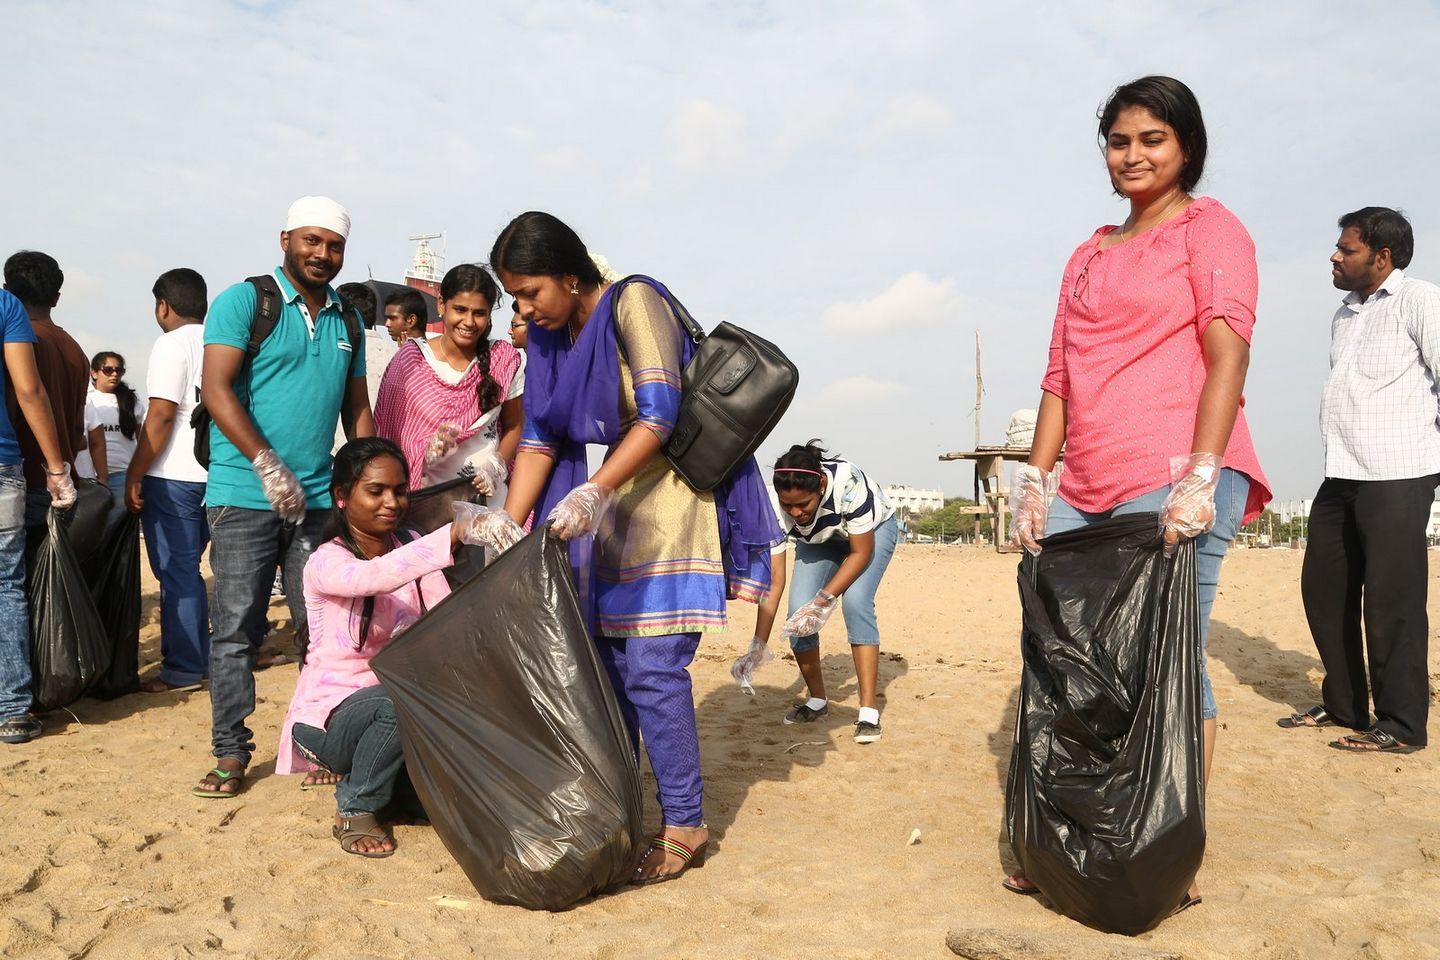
<point>274,410</point>
<point>1365,562</point>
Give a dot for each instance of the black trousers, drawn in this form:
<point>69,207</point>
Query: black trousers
<point>1366,563</point>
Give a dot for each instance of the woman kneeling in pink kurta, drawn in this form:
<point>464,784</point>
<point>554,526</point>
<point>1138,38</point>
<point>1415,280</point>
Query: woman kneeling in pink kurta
<point>363,586</point>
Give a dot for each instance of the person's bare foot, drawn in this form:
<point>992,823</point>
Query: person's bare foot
<point>664,863</point>
<point>156,685</point>
<point>225,783</point>
<point>1019,883</point>
<point>319,778</point>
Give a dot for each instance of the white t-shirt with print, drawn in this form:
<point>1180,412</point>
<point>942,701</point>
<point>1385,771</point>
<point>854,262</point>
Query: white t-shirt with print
<point>174,375</point>
<point>103,410</point>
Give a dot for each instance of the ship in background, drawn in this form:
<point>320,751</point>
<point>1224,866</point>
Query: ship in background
<point>426,269</point>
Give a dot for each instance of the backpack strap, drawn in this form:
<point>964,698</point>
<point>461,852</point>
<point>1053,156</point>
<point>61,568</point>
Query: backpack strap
<point>268,303</point>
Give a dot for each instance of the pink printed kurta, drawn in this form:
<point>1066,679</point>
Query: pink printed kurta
<point>336,585</point>
<point>1127,358</point>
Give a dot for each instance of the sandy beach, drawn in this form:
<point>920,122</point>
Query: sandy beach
<point>1312,853</point>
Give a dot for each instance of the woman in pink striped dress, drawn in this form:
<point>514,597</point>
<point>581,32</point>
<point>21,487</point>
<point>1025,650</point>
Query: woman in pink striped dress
<point>452,403</point>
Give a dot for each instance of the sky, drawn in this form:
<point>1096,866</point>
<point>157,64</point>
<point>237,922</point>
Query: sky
<point>867,185</point>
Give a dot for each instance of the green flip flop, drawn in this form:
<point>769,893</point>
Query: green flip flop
<point>224,776</point>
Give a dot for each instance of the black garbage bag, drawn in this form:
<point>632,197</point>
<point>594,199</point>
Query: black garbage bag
<point>69,650</point>
<point>429,510</point>
<point>84,523</point>
<point>1104,805</point>
<point>116,591</point>
<point>513,737</point>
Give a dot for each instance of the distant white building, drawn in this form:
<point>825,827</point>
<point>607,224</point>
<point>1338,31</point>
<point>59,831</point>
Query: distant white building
<point>908,500</point>
<point>1433,529</point>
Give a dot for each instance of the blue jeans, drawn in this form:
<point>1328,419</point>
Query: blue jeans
<point>361,742</point>
<point>1231,494</point>
<point>15,678</point>
<point>246,546</point>
<point>816,563</point>
<point>175,538</point>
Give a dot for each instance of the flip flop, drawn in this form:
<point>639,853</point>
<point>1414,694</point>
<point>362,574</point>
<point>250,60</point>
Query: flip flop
<point>224,776</point>
<point>1383,743</point>
<point>1315,717</point>
<point>688,858</point>
<point>1009,883</point>
<point>1187,903</point>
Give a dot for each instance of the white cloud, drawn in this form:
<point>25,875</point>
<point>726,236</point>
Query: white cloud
<point>915,300</point>
<point>913,112</point>
<point>851,391</point>
<point>707,136</point>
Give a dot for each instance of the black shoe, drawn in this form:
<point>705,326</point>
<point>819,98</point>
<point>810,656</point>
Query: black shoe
<point>867,732</point>
<point>801,713</point>
<point>19,729</point>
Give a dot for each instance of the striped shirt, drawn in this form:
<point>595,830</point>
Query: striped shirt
<point>1379,414</point>
<point>851,504</point>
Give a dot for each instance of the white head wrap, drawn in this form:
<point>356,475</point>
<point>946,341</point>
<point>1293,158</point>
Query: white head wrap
<point>318,212</point>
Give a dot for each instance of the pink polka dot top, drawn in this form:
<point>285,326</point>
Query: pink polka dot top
<point>1126,353</point>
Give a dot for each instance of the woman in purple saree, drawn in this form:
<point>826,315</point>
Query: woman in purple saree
<point>604,363</point>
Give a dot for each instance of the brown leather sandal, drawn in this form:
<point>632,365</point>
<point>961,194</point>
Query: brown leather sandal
<point>351,830</point>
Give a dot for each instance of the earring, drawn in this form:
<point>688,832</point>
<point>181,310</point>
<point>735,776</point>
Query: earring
<point>575,288</point>
<point>340,504</point>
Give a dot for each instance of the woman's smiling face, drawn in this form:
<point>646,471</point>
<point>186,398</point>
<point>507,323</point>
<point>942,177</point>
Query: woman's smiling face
<point>376,504</point>
<point>467,320</point>
<point>1143,154</point>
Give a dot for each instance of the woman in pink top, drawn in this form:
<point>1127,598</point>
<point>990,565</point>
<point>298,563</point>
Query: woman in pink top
<point>453,403</point>
<point>1144,388</point>
<point>363,586</point>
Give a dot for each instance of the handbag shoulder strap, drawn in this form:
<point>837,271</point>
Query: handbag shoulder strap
<point>692,329</point>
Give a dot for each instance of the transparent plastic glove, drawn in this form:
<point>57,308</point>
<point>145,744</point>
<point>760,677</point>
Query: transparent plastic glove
<point>580,512</point>
<point>280,485</point>
<point>446,439</point>
<point>1189,510</point>
<point>744,667</point>
<point>1031,490</point>
<point>482,526</point>
<point>490,472</point>
<point>809,619</point>
<point>61,487</point>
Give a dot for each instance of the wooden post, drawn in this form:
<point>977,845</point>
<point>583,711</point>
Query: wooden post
<point>979,391</point>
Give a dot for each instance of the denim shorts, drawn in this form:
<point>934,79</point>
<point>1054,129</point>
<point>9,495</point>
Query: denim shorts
<point>1231,495</point>
<point>816,563</point>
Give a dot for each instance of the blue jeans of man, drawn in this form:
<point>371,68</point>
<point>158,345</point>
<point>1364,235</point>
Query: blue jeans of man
<point>1231,493</point>
<point>361,742</point>
<point>175,537</point>
<point>246,546</point>
<point>652,684</point>
<point>16,694</point>
<point>816,563</point>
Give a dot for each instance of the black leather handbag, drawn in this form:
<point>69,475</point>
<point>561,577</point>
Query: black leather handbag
<point>734,390</point>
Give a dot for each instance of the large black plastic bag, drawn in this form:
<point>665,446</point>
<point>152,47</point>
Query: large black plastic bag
<point>1104,803</point>
<point>69,650</point>
<point>430,509</point>
<point>513,737</point>
<point>116,591</point>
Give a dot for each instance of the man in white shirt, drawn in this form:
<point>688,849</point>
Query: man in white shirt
<point>1366,560</point>
<point>165,484</point>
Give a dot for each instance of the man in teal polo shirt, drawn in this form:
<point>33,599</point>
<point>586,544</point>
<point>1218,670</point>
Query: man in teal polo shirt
<point>268,492</point>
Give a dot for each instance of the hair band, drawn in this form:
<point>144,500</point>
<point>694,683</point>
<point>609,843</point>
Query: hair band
<point>813,473</point>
